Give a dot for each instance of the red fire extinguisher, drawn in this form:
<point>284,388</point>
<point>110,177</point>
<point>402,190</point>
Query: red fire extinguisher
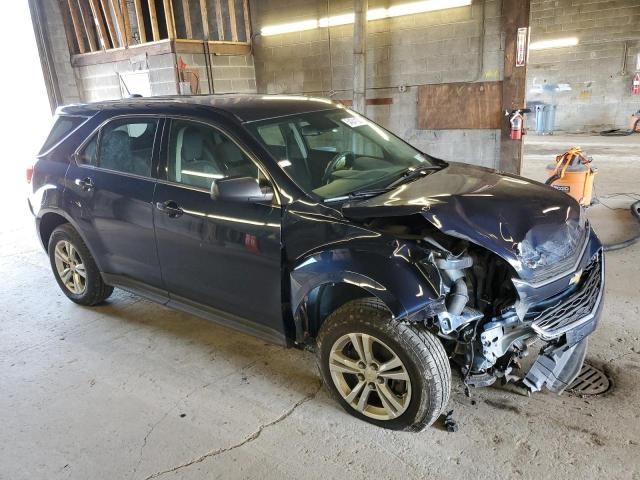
<point>636,85</point>
<point>516,125</point>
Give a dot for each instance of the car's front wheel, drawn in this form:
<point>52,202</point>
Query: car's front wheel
<point>383,371</point>
<point>74,268</point>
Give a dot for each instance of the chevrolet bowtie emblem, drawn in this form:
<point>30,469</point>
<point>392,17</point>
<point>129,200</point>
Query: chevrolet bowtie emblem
<point>576,278</point>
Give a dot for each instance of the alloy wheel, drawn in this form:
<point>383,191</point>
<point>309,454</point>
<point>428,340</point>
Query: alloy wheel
<point>370,376</point>
<point>70,267</point>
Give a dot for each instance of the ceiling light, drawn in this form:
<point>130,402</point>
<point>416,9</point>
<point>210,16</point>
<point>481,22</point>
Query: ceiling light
<point>289,27</point>
<point>557,43</point>
<point>373,14</point>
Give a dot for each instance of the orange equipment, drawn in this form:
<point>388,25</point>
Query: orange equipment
<point>573,174</point>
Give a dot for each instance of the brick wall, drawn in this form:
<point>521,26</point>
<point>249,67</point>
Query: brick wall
<point>596,93</point>
<point>435,47</point>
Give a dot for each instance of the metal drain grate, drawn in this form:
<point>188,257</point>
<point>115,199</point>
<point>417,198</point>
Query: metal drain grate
<point>590,381</point>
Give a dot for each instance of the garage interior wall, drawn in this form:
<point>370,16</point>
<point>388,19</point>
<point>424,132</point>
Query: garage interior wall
<point>446,46</point>
<point>590,82</point>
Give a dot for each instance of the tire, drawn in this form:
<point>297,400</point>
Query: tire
<point>87,290</point>
<point>424,363</point>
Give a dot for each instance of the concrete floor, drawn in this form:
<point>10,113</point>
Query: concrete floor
<point>133,390</point>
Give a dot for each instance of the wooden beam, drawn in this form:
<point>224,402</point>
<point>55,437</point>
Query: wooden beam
<point>187,17</point>
<point>68,28</point>
<point>77,26</point>
<point>127,22</point>
<point>168,16</point>
<point>140,21</point>
<point>232,20</point>
<point>515,15</point>
<point>205,18</point>
<point>87,21</point>
<point>120,28</point>
<point>247,20</point>
<point>102,31</point>
<point>113,33</point>
<point>116,55</point>
<point>219,20</point>
<point>154,20</point>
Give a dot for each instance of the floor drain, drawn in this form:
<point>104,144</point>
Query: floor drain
<point>590,381</point>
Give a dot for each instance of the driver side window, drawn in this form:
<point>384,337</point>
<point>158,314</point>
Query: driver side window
<point>199,154</point>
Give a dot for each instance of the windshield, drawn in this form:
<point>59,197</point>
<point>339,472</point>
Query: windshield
<point>334,153</point>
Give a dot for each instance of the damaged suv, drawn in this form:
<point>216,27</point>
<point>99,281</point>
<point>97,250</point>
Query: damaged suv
<point>300,221</point>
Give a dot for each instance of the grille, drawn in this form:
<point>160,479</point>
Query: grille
<point>590,381</point>
<point>575,310</point>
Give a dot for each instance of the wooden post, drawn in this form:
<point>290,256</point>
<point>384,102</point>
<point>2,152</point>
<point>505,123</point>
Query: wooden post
<point>360,7</point>
<point>87,21</point>
<point>168,16</point>
<point>120,28</point>
<point>232,21</point>
<point>205,19</point>
<point>127,22</point>
<point>247,20</point>
<point>140,21</point>
<point>102,31</point>
<point>154,20</point>
<point>515,14</point>
<point>77,27</point>
<point>187,17</point>
<point>112,29</point>
<point>219,20</point>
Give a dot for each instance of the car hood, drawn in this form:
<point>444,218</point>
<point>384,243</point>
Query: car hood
<point>532,226</point>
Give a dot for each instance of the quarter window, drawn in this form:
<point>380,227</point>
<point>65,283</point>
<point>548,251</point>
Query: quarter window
<point>200,154</point>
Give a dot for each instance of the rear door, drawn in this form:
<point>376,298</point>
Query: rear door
<point>109,193</point>
<point>224,256</point>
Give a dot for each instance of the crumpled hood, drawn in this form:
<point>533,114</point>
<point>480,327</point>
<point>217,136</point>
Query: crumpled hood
<point>530,225</point>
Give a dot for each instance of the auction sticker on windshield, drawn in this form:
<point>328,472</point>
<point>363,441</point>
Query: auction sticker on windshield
<point>354,122</point>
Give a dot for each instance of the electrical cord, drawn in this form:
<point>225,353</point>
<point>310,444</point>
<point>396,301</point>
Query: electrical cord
<point>635,211</point>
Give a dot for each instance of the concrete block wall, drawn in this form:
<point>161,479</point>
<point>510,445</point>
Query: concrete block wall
<point>435,47</point>
<point>67,80</point>
<point>231,73</point>
<point>597,92</point>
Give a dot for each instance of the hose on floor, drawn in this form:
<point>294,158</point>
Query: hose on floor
<point>635,211</point>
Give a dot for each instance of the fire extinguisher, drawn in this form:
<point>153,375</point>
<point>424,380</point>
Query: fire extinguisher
<point>636,84</point>
<point>516,119</point>
<point>516,126</point>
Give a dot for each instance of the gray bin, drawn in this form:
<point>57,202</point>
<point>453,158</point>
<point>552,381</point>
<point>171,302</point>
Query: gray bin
<point>545,118</point>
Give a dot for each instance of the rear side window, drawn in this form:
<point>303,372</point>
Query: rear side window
<point>62,127</point>
<point>123,146</point>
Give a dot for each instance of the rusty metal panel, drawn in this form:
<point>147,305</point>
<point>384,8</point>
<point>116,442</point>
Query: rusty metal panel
<point>451,106</point>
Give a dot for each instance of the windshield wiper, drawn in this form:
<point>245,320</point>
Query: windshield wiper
<point>358,195</point>
<point>413,173</point>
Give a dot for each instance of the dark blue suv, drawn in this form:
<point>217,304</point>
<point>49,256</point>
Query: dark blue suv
<point>302,222</point>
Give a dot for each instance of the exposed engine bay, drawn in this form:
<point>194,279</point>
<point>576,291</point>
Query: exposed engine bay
<point>486,327</point>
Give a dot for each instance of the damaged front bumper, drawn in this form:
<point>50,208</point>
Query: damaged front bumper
<point>565,326</point>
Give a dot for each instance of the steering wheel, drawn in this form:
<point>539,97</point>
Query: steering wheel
<point>347,157</point>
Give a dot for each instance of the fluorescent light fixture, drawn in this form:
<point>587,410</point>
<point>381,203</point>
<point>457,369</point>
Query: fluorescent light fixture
<point>289,27</point>
<point>337,20</point>
<point>556,43</point>
<point>426,6</point>
<point>373,14</point>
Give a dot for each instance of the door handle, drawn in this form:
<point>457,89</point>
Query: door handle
<point>84,183</point>
<point>171,208</point>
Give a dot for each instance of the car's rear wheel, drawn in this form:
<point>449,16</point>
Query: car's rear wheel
<point>74,268</point>
<point>383,371</point>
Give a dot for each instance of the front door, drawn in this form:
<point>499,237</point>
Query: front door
<point>220,255</point>
<point>109,194</point>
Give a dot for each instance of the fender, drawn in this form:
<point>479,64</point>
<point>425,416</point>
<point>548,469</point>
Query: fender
<point>394,278</point>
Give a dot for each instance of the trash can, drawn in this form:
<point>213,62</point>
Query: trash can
<point>540,118</point>
<point>549,119</point>
<point>545,118</point>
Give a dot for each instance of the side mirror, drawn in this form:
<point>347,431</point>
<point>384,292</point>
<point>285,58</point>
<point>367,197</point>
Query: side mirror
<point>241,189</point>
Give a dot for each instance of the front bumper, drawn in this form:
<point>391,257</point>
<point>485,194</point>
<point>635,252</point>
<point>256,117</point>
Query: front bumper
<point>565,325</point>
